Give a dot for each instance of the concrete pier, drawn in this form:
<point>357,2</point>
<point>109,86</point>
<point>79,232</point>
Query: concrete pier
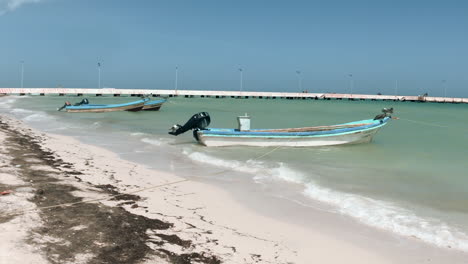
<point>223,94</point>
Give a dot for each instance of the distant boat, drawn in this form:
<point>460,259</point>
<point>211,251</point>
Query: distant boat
<point>85,107</point>
<point>348,133</point>
<point>153,105</point>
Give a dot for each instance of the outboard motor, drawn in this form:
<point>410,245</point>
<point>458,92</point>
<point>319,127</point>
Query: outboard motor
<point>83,102</point>
<point>196,122</point>
<point>386,112</point>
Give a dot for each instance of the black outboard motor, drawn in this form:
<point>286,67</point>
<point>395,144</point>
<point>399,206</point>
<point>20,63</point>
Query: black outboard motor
<point>196,122</point>
<point>67,103</point>
<point>386,112</point>
<point>83,102</point>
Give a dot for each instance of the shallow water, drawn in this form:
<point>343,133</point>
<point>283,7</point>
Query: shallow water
<point>411,179</point>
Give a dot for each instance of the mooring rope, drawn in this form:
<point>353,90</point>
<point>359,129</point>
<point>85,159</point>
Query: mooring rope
<point>24,211</point>
<point>423,123</point>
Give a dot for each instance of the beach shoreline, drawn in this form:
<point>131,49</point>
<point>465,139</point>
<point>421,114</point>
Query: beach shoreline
<point>198,220</point>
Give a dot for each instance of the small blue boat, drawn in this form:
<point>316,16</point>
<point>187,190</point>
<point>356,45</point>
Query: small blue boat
<point>85,107</point>
<point>348,133</point>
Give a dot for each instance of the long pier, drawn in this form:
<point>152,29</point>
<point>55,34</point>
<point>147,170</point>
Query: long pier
<point>222,94</point>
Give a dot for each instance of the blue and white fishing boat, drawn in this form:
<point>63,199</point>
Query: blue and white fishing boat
<point>153,105</point>
<point>348,133</point>
<point>85,107</point>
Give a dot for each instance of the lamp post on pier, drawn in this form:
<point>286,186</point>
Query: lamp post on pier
<point>176,79</point>
<point>99,75</point>
<point>351,83</point>
<point>22,73</point>
<point>299,80</point>
<point>241,84</point>
<point>396,87</point>
<point>444,84</point>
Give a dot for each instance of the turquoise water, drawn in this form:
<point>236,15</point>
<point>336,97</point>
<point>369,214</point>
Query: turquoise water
<point>411,179</point>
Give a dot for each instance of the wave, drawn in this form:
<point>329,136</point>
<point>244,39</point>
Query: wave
<point>50,122</point>
<point>37,117</point>
<point>151,141</point>
<point>31,116</point>
<point>21,111</point>
<point>251,167</point>
<point>390,217</point>
<point>379,214</point>
<point>7,103</point>
<point>156,141</point>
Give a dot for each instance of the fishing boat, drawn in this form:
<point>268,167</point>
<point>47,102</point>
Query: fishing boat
<point>85,107</point>
<point>153,105</point>
<point>348,133</point>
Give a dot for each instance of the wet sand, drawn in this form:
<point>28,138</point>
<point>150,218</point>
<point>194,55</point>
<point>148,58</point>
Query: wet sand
<point>76,203</point>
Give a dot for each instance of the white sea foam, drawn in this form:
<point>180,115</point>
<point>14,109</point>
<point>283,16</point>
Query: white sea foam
<point>249,167</point>
<point>283,172</point>
<point>152,141</point>
<point>137,134</point>
<point>37,117</point>
<point>21,111</point>
<point>50,122</point>
<point>372,212</point>
<point>391,217</point>
<point>60,128</point>
<point>260,170</point>
<point>31,116</point>
<point>7,103</point>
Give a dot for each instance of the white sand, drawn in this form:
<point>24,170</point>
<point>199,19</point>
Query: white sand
<point>217,222</point>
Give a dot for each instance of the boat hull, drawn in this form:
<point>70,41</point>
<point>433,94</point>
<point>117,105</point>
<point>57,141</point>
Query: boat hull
<point>329,138</point>
<point>153,105</point>
<point>136,107</point>
<point>90,108</point>
<point>151,108</point>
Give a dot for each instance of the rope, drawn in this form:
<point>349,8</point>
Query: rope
<point>23,211</point>
<point>424,123</point>
<point>269,152</point>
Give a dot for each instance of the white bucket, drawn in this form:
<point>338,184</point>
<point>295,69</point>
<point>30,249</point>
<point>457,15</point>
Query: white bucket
<point>244,122</point>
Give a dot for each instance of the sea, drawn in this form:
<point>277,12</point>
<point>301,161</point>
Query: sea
<point>411,180</point>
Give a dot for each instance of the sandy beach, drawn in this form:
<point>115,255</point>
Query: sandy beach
<point>67,202</point>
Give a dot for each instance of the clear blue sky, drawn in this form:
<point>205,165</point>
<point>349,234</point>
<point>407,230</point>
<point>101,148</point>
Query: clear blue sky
<point>139,44</point>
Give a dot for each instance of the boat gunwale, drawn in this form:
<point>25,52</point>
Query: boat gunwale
<point>334,132</point>
<point>155,102</point>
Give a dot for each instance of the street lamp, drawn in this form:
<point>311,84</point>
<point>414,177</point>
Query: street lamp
<point>396,87</point>
<point>241,79</point>
<point>351,83</point>
<point>22,73</point>
<point>444,83</point>
<point>176,78</point>
<point>99,74</point>
<point>299,80</point>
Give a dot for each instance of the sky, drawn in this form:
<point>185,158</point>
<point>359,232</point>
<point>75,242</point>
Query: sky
<point>359,46</point>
